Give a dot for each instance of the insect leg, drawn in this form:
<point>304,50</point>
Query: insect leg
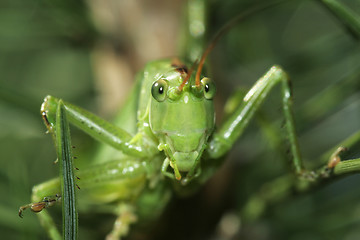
<point>125,217</point>
<point>233,127</point>
<point>97,184</point>
<point>51,189</point>
<point>92,125</point>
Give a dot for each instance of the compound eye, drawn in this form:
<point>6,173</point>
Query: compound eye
<point>159,89</point>
<point>208,87</point>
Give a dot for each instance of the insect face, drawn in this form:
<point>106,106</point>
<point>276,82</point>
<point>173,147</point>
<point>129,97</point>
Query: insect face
<point>182,122</point>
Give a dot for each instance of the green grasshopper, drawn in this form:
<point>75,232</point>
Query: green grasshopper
<point>166,141</point>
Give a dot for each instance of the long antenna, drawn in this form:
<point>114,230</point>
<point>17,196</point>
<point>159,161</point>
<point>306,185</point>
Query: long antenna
<point>187,76</point>
<point>225,29</point>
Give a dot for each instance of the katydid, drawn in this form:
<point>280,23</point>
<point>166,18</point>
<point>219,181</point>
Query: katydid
<point>173,140</point>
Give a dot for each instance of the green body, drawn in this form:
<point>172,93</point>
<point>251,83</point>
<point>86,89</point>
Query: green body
<point>164,140</point>
<point>125,177</point>
<point>117,177</point>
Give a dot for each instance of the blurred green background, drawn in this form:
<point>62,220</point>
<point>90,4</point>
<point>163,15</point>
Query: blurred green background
<point>87,53</point>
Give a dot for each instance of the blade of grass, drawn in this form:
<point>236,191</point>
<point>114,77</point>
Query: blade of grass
<point>68,194</point>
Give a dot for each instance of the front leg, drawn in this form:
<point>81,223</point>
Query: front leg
<point>40,201</point>
<point>230,131</point>
<point>98,186</point>
<point>92,125</point>
<point>233,127</point>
